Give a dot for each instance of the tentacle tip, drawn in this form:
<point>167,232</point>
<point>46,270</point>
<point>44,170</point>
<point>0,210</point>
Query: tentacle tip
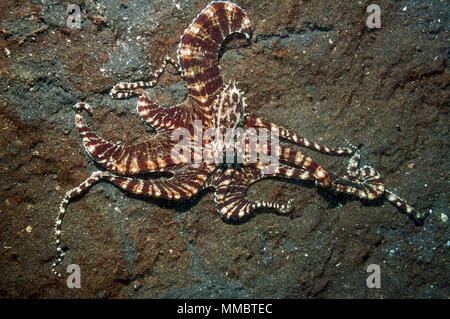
<point>420,217</point>
<point>289,207</point>
<point>116,91</point>
<point>352,147</point>
<point>56,273</point>
<point>83,106</point>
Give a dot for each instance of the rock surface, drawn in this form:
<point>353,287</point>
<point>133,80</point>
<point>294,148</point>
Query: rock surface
<point>314,68</point>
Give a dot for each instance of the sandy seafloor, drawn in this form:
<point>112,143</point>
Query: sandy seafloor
<point>313,67</point>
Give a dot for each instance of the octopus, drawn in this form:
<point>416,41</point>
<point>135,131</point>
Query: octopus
<point>154,168</point>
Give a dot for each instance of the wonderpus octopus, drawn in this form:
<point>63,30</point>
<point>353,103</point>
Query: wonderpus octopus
<point>211,105</point>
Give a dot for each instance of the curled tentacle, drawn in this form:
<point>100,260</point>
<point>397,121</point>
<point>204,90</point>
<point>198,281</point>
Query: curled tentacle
<point>198,52</point>
<point>127,89</point>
